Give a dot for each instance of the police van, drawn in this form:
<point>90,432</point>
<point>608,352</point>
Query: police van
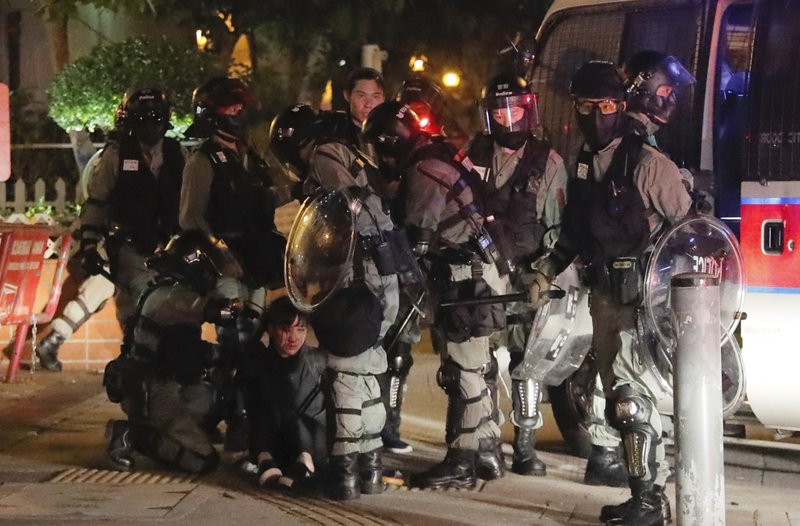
<point>737,130</point>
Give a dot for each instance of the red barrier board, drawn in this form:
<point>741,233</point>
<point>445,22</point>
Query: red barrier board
<point>22,249</point>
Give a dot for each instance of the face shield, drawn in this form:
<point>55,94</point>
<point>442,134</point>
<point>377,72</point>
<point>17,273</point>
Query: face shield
<point>517,113</point>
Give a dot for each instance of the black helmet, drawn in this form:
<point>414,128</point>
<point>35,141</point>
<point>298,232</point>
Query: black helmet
<point>292,130</point>
<point>192,257</point>
<point>223,104</point>
<point>426,98</point>
<point>597,79</point>
<point>144,113</point>
<point>394,128</point>
<point>509,110</point>
<point>651,79</point>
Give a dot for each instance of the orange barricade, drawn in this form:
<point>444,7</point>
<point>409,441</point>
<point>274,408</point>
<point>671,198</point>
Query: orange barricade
<point>23,249</point>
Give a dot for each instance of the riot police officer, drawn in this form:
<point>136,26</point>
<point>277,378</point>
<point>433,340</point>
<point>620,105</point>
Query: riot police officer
<point>133,194</point>
<point>228,193</point>
<point>522,187</point>
<point>444,224</point>
<point>623,193</point>
<point>356,355</point>
<point>164,379</point>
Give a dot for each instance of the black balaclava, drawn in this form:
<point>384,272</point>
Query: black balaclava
<point>598,129</point>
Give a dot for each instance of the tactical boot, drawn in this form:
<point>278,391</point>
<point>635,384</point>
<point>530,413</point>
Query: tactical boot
<point>346,484</point>
<point>120,448</point>
<point>616,512</point>
<point>646,508</point>
<point>457,470</point>
<point>371,472</point>
<point>525,462</point>
<point>47,351</point>
<point>489,464</point>
<point>606,468</point>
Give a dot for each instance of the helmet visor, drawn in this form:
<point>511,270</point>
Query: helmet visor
<point>518,113</point>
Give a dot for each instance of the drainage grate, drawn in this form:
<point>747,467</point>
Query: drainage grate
<point>105,476</point>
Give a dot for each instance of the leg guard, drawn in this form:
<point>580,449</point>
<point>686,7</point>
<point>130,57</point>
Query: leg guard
<point>393,384</point>
<point>459,420</point>
<point>490,377</point>
<point>631,416</point>
<point>525,398</point>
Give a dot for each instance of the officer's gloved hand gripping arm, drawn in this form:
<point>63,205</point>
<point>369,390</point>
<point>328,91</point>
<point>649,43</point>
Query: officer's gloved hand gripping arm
<point>546,268</point>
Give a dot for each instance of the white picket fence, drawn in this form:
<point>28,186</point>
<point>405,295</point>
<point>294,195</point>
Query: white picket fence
<point>20,203</point>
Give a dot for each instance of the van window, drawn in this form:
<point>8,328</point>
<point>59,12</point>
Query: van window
<point>731,107</point>
<point>656,29</point>
<point>775,143</point>
<point>609,32</point>
<point>571,38</point>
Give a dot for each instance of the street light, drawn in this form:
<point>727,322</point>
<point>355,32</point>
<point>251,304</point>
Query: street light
<point>451,79</point>
<point>418,63</point>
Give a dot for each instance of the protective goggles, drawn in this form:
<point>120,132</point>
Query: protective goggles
<point>606,106</point>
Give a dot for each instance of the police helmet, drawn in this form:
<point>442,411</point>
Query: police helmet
<point>426,98</point>
<point>144,113</point>
<point>292,130</point>
<point>509,110</point>
<point>597,79</point>
<point>221,104</point>
<point>651,78</point>
<point>394,128</point>
<point>192,257</point>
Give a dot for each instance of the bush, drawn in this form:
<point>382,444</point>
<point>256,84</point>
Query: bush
<point>85,94</point>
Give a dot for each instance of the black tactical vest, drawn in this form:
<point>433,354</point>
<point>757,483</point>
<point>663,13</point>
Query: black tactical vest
<point>241,211</point>
<point>143,206</point>
<point>510,210</point>
<point>608,217</point>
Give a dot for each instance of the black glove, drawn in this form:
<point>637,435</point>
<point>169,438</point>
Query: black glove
<point>222,311</point>
<point>91,261</point>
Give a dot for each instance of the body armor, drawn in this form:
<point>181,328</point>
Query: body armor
<point>142,206</point>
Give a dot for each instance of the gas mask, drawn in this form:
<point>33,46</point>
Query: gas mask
<point>148,133</point>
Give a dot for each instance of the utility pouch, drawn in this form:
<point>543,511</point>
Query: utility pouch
<point>383,258</point>
<point>625,279</point>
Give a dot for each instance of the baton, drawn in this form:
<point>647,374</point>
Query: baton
<point>502,298</point>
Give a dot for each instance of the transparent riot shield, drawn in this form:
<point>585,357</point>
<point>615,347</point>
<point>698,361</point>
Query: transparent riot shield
<point>319,250</point>
<point>695,244</point>
<point>561,335</point>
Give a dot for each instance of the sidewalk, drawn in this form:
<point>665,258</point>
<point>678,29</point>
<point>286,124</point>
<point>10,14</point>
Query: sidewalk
<point>52,471</point>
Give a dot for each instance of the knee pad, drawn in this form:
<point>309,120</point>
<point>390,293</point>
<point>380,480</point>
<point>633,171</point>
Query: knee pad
<point>449,377</point>
<point>525,396</point>
<point>400,363</point>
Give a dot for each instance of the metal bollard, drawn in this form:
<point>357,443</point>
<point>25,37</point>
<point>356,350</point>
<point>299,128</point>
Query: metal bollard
<point>697,384</point>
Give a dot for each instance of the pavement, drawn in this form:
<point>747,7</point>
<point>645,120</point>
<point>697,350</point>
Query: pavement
<point>53,471</point>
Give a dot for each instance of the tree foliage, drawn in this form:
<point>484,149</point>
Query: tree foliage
<point>85,94</point>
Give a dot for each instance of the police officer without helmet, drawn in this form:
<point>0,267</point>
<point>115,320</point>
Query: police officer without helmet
<point>624,192</point>
<point>133,194</point>
<point>521,185</point>
<point>443,223</point>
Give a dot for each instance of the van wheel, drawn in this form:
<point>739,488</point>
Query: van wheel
<point>571,403</point>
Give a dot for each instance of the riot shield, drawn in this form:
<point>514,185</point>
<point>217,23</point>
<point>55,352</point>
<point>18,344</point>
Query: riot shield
<point>319,250</point>
<point>695,244</point>
<point>561,335</point>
